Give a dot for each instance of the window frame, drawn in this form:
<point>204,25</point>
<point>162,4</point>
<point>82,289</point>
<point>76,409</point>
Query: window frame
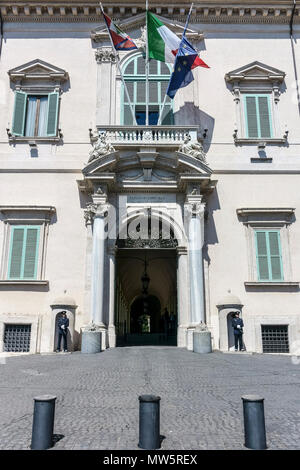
<point>28,216</point>
<point>270,278</point>
<point>37,78</point>
<point>256,96</point>
<point>268,219</point>
<point>12,231</point>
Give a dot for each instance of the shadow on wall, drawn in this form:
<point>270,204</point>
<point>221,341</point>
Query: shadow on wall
<point>189,114</point>
<point>210,234</point>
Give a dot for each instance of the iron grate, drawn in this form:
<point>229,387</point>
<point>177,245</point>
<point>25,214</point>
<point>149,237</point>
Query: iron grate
<point>17,338</point>
<point>275,338</point>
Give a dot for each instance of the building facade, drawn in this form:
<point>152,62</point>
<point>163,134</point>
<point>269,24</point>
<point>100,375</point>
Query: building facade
<point>149,231</point>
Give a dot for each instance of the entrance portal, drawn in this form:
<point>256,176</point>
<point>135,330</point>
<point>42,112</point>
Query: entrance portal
<point>146,303</point>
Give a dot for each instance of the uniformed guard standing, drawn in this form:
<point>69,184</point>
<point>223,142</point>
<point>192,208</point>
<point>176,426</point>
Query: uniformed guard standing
<point>63,323</point>
<point>238,325</point>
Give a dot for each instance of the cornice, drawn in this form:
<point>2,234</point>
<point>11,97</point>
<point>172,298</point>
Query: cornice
<point>209,12</point>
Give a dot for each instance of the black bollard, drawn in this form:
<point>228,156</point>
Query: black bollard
<point>149,422</point>
<point>254,422</point>
<point>43,422</point>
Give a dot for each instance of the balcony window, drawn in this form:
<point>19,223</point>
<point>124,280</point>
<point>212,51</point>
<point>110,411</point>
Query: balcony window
<point>135,78</point>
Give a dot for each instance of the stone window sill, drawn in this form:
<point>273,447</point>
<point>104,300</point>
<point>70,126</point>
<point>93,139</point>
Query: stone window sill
<point>272,140</point>
<point>16,282</point>
<point>271,284</point>
<point>34,140</point>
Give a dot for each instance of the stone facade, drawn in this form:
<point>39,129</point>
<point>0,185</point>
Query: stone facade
<point>202,176</point>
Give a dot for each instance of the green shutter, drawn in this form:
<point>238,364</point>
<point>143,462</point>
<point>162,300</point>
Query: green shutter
<point>275,256</point>
<point>31,251</point>
<point>258,116</point>
<point>19,113</point>
<point>53,101</point>
<point>15,261</point>
<point>23,259</point>
<point>262,256</point>
<point>264,116</point>
<point>251,116</point>
<point>268,255</point>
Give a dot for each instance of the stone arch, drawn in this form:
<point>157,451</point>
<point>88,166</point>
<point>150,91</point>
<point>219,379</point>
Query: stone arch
<point>158,214</point>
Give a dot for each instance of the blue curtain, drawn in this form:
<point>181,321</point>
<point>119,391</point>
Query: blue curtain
<point>43,117</point>
<point>30,116</point>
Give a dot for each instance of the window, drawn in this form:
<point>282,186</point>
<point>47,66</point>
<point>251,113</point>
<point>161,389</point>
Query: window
<point>275,338</point>
<point>25,233</point>
<point>17,338</point>
<point>37,86</point>
<point>135,78</point>
<point>256,90</point>
<point>269,260</point>
<point>268,255</point>
<point>35,115</point>
<point>258,116</point>
<point>23,254</point>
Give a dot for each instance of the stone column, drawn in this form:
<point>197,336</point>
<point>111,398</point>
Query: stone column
<point>97,280</point>
<point>196,240</point>
<point>112,296</point>
<point>182,295</point>
<point>106,60</point>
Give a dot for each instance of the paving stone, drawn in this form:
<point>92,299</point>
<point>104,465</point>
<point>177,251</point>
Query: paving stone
<point>201,406</point>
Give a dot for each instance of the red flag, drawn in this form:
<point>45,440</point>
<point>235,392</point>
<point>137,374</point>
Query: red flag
<point>120,39</point>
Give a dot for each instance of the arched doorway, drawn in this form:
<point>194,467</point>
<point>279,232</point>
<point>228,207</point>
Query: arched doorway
<point>146,288</point>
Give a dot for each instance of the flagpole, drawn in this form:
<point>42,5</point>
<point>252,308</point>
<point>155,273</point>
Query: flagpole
<point>187,20</point>
<point>184,31</point>
<point>120,71</point>
<point>162,110</point>
<point>147,67</point>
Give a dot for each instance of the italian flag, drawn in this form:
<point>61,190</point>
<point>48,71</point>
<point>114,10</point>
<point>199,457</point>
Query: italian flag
<point>163,44</point>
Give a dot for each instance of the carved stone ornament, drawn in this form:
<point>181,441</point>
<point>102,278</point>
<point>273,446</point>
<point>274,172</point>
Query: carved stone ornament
<point>101,148</point>
<point>105,54</point>
<point>194,149</point>
<point>89,213</point>
<point>141,41</point>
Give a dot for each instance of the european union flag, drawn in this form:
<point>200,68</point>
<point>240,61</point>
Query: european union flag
<point>186,59</point>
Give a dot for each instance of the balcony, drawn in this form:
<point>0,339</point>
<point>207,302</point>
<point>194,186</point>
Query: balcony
<point>156,136</point>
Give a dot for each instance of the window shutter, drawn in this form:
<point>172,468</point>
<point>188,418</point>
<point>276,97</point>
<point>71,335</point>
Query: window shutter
<point>19,113</point>
<point>15,262</point>
<point>264,116</point>
<point>251,116</point>
<point>53,100</point>
<point>275,256</point>
<point>262,256</point>
<point>31,251</point>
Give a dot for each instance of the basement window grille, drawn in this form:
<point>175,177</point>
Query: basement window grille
<point>275,338</point>
<point>17,338</point>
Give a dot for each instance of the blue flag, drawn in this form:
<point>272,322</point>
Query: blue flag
<point>186,59</point>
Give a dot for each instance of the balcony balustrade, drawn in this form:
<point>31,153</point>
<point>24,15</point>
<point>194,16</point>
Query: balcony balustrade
<point>136,136</point>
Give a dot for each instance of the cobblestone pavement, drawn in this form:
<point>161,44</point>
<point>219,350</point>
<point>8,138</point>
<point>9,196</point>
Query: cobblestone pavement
<point>201,407</point>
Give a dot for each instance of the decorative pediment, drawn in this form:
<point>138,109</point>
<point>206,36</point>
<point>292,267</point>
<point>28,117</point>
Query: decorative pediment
<point>138,21</point>
<point>255,71</point>
<point>38,70</point>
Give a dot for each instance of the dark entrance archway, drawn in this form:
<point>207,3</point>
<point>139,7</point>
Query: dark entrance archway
<point>146,316</point>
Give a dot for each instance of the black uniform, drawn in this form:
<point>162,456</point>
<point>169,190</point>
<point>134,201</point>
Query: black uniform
<point>238,333</point>
<point>62,332</point>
